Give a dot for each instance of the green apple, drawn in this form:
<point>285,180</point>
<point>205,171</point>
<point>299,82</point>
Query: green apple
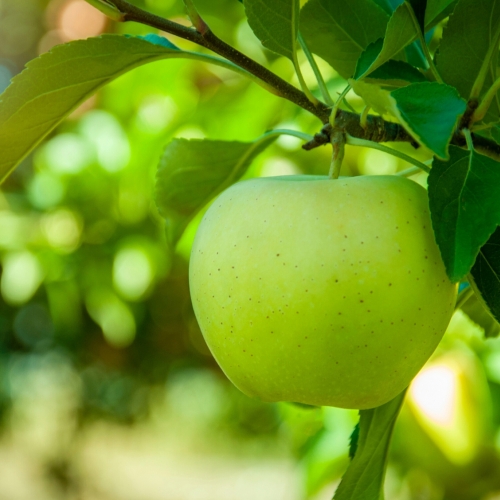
<point>320,291</point>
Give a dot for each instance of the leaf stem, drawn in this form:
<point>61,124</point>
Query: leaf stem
<point>425,47</point>
<point>302,82</point>
<point>481,77</point>
<point>337,140</point>
<point>408,172</point>
<point>363,120</point>
<point>200,25</point>
<point>292,133</point>
<point>335,108</point>
<point>468,138</point>
<point>482,109</point>
<point>353,141</point>
<point>317,73</point>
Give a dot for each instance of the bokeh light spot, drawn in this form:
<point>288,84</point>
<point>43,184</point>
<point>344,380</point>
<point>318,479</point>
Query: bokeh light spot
<point>65,154</point>
<point>45,190</point>
<point>78,19</point>
<point>434,391</point>
<point>132,272</point>
<point>113,316</point>
<point>62,230</point>
<point>22,275</point>
<point>111,143</point>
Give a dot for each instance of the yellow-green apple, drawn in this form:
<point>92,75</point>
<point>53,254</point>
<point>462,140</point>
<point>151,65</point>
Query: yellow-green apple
<point>320,291</point>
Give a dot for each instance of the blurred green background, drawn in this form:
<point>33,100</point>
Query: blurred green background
<point>107,389</point>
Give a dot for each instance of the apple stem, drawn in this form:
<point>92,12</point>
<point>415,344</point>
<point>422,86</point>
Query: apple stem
<point>337,140</point>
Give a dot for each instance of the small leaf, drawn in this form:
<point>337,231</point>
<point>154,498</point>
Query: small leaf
<point>55,83</point>
<point>275,23</point>
<point>471,30</point>
<point>430,111</point>
<point>340,31</point>
<point>480,314</point>
<point>463,198</point>
<point>364,478</point>
<point>353,441</point>
<point>486,278</point>
<point>400,32</point>
<point>192,172</point>
<point>378,99</point>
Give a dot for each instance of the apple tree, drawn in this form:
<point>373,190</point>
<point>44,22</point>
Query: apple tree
<point>426,72</point>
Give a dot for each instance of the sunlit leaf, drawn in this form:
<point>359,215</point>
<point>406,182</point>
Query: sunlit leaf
<point>275,23</point>
<point>463,197</point>
<point>364,479</point>
<point>55,83</point>
<point>430,112</point>
<point>192,172</point>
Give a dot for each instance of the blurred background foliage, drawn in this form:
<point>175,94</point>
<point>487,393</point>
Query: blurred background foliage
<point>107,389</point>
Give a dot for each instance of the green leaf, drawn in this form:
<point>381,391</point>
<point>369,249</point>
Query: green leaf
<point>192,172</point>
<point>437,10</point>
<point>399,34</point>
<point>275,23</point>
<point>57,82</point>
<point>471,30</point>
<point>340,31</point>
<point>463,199</point>
<point>480,314</point>
<point>486,280</point>
<point>364,478</point>
<point>430,111</point>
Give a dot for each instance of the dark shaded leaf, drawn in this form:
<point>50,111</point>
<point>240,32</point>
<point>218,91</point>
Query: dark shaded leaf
<point>475,308</point>
<point>486,280</point>
<point>471,30</point>
<point>398,71</point>
<point>463,198</point>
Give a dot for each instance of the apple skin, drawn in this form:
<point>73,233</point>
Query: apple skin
<point>319,291</point>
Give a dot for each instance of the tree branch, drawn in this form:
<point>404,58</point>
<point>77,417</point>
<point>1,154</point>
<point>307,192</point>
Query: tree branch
<point>376,129</point>
<point>210,41</point>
